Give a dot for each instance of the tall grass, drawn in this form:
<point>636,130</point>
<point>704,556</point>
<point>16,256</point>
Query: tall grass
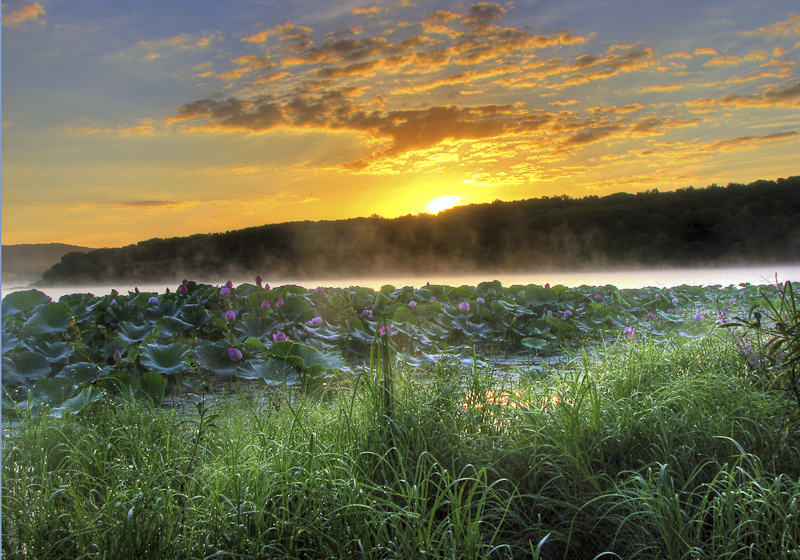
<point>652,451</point>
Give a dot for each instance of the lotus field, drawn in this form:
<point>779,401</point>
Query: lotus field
<point>64,353</point>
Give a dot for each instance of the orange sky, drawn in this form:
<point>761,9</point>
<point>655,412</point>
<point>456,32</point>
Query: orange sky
<point>127,121</point>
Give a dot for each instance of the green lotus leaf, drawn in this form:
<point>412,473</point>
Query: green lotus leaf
<point>195,315</point>
<point>25,300</point>
<point>166,359</point>
<point>81,402</point>
<point>132,334</point>
<point>52,391</point>
<point>49,318</point>
<point>172,326</point>
<point>25,367</point>
<point>534,343</point>
<point>213,356</point>
<point>153,386</point>
<point>10,341</point>
<point>55,352</point>
<point>80,373</point>
<point>253,324</point>
<point>271,371</point>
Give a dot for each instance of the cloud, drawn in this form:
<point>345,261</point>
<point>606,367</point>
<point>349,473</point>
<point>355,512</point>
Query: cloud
<point>788,96</point>
<point>28,12</point>
<point>146,204</point>
<point>785,28</point>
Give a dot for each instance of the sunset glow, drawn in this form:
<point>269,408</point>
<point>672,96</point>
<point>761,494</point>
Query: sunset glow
<point>127,121</point>
<point>442,203</point>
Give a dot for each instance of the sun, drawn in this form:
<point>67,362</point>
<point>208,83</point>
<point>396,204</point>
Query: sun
<point>442,203</point>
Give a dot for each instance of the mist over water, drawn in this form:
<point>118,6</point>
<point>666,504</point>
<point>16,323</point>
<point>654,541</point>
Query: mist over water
<point>659,278</point>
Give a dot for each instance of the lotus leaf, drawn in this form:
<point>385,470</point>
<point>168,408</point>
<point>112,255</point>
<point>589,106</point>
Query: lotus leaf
<point>166,359</point>
<point>22,301</point>
<point>49,318</point>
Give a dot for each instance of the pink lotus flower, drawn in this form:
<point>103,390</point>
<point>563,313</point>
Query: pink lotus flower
<point>698,318</point>
<point>258,281</point>
<point>630,332</point>
<point>225,292</point>
<point>315,322</point>
<point>547,286</point>
<point>387,331</point>
<point>598,297</point>
<point>182,289</point>
<point>320,290</point>
<point>117,355</point>
<point>234,354</point>
<point>412,304</point>
<point>229,284</point>
<point>480,300</point>
<point>567,314</point>
<point>153,300</point>
<point>265,305</point>
<point>279,303</point>
<point>279,337</point>
<point>670,310</point>
<point>367,313</point>
<point>463,306</point>
<point>230,316</point>
<point>675,301</point>
<point>185,282</point>
<point>433,299</point>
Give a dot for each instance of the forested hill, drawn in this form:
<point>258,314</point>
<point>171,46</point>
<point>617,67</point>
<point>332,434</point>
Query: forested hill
<point>758,223</point>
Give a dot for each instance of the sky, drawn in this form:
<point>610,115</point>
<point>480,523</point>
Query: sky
<point>125,121</point>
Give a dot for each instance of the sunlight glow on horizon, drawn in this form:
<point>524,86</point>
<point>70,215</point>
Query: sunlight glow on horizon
<point>443,203</point>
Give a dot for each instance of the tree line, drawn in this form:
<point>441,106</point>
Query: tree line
<point>756,223</point>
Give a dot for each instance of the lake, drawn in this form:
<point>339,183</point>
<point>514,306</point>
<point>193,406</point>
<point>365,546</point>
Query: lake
<point>660,278</point>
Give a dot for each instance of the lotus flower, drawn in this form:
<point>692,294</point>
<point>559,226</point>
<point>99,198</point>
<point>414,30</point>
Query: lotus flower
<point>258,281</point>
<point>315,322</point>
<point>320,289</point>
<point>412,304</point>
<point>598,297</point>
<point>567,314</point>
<point>229,284</point>
<point>185,282</point>
<point>630,332</point>
<point>670,310</point>
<point>182,289</point>
<point>234,354</point>
<point>481,300</point>
<point>279,303</point>
<point>117,355</point>
<point>387,331</point>
<point>225,292</point>
<point>367,314</point>
<point>230,316</point>
<point>153,299</point>
<point>265,305</point>
<point>698,318</point>
<point>433,299</point>
<point>279,337</point>
<point>674,301</point>
<point>463,306</point>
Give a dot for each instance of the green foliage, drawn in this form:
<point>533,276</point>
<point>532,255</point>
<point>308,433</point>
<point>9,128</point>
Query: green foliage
<point>772,341</point>
<point>644,450</point>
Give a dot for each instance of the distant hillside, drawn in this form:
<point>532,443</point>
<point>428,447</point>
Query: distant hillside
<point>757,223</point>
<point>23,264</point>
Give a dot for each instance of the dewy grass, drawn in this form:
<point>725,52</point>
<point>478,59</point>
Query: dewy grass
<point>651,451</point>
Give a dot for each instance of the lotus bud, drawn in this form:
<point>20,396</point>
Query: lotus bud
<point>234,354</point>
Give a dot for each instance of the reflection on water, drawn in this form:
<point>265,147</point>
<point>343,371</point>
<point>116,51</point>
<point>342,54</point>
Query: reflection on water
<point>663,278</point>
